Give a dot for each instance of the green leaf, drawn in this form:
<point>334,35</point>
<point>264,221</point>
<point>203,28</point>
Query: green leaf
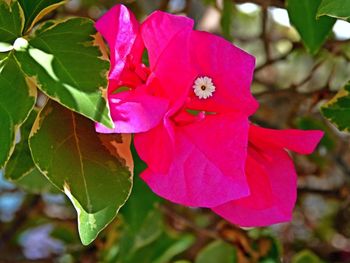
<point>34,10</point>
<point>93,170</point>
<point>68,68</point>
<point>143,237</point>
<point>337,110</point>
<point>335,8</point>
<point>313,32</point>
<point>142,200</point>
<point>11,21</point>
<point>21,162</point>
<point>7,135</point>
<point>217,251</point>
<point>21,170</point>
<point>226,19</point>
<point>142,219</point>
<point>142,216</point>
<point>306,256</point>
<point>3,57</point>
<point>162,250</point>
<point>135,238</point>
<point>175,247</point>
<point>35,182</point>
<point>17,99</point>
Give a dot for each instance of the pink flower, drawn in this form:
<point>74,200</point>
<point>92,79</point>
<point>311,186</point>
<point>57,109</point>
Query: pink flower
<point>271,177</point>
<point>190,113</point>
<point>136,109</point>
<point>196,160</point>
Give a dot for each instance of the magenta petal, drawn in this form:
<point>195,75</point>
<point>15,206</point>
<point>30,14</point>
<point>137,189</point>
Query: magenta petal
<point>158,31</point>
<point>207,165</point>
<point>273,185</point>
<point>134,111</point>
<point>120,28</point>
<point>303,142</point>
<point>231,70</point>
<point>156,147</point>
<point>199,54</point>
<point>174,74</point>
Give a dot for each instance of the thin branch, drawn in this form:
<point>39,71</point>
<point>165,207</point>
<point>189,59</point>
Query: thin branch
<point>336,193</point>
<point>188,223</point>
<point>309,77</point>
<point>164,5</point>
<point>264,31</point>
<point>274,60</point>
<point>293,88</point>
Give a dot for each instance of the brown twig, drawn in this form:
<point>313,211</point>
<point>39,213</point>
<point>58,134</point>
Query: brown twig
<point>188,223</point>
<point>164,5</point>
<point>274,60</point>
<point>309,76</point>
<point>264,31</point>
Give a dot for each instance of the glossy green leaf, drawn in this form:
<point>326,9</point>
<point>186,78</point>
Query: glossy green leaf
<point>93,170</point>
<point>313,32</point>
<point>21,162</point>
<point>335,8</point>
<point>337,110</point>
<point>34,10</point>
<point>68,68</point>
<point>217,251</point>
<point>17,99</point>
<point>306,256</point>
<point>11,21</point>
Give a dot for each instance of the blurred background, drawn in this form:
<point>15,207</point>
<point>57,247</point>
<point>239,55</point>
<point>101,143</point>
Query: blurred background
<point>290,85</point>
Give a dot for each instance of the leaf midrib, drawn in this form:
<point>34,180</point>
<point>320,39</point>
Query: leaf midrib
<point>76,139</point>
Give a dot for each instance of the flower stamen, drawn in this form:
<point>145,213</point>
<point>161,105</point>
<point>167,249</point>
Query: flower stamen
<point>203,87</point>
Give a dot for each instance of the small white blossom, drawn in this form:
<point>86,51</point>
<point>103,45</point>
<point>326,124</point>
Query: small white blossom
<point>203,87</point>
<point>20,44</point>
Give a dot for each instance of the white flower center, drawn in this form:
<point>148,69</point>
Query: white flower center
<point>203,87</point>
